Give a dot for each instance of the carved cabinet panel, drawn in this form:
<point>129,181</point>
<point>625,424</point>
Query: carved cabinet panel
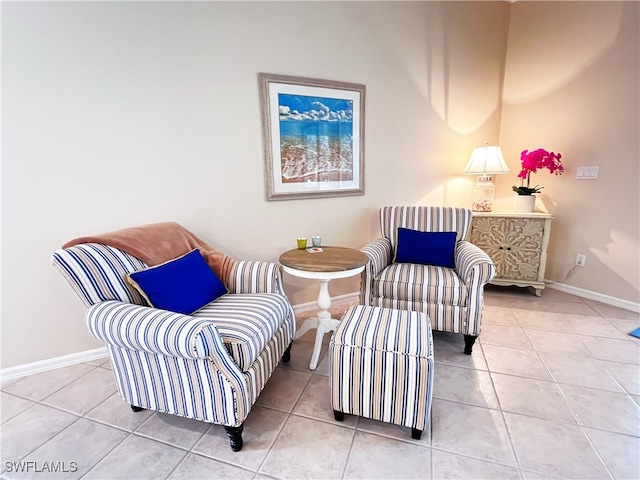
<point>517,244</point>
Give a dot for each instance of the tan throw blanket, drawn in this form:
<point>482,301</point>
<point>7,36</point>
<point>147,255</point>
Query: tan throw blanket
<point>157,243</point>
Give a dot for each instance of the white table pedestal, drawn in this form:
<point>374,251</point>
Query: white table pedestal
<point>322,322</point>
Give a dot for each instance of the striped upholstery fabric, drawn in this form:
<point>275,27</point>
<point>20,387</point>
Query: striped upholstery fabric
<point>152,330</point>
<point>476,269</point>
<point>379,253</point>
<point>446,318</point>
<point>208,389</point>
<point>421,284</point>
<point>453,298</point>
<point>381,365</point>
<point>97,272</point>
<point>246,322</point>
<point>209,366</point>
<point>255,277</point>
<point>424,219</point>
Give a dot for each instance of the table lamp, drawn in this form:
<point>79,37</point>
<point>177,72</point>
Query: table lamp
<point>484,162</point>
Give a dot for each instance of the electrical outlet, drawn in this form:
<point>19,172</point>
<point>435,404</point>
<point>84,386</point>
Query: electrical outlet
<point>581,259</point>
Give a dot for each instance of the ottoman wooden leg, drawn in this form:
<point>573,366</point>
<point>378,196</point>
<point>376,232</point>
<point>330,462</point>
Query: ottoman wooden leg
<point>339,416</point>
<point>416,434</point>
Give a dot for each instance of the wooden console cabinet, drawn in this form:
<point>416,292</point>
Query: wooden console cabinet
<point>517,244</point>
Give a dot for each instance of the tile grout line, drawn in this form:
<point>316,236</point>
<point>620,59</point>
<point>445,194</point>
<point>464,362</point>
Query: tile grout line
<point>19,398</point>
<point>346,462</point>
<point>77,419</point>
<point>189,452</point>
<point>568,404</point>
<point>55,391</point>
<point>502,413</point>
<point>50,438</point>
<point>275,439</point>
<point>288,418</point>
<point>470,457</point>
<point>107,454</point>
<point>593,446</point>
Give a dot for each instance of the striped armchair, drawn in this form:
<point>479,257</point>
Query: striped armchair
<point>453,298</point>
<point>210,365</point>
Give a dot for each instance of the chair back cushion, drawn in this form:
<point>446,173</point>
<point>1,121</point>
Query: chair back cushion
<point>424,219</point>
<point>98,272</point>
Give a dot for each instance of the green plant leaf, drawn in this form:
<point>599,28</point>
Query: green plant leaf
<point>526,190</point>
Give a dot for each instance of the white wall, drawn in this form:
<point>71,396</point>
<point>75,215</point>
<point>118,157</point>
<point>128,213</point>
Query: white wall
<point>118,114</point>
<point>575,90</point>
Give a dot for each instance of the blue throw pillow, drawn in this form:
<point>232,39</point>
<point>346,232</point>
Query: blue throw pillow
<point>184,284</point>
<point>426,248</point>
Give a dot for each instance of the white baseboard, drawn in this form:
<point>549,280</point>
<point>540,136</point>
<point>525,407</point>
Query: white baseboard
<point>52,363</point>
<point>598,297</point>
<point>88,355</point>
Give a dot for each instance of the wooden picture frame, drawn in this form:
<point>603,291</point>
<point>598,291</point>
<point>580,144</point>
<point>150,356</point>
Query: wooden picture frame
<point>313,133</point>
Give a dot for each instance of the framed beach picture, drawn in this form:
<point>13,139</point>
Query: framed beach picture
<point>313,137</point>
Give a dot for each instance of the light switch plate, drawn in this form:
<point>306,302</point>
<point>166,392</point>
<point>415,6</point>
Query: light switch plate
<point>587,173</point>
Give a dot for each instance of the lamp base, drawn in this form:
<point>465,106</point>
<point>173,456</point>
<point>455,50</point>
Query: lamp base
<point>482,194</point>
<point>481,206</point>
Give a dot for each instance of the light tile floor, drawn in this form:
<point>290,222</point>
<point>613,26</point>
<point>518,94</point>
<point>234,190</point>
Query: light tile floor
<point>552,390</point>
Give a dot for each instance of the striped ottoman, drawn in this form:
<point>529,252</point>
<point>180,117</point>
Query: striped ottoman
<point>381,366</point>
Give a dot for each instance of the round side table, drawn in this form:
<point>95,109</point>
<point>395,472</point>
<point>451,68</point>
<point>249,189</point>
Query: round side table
<point>330,264</point>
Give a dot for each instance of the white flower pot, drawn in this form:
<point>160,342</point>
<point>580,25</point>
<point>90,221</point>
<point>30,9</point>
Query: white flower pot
<point>524,203</point>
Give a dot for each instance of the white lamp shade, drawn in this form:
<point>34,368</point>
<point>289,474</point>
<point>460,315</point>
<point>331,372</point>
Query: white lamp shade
<point>486,160</point>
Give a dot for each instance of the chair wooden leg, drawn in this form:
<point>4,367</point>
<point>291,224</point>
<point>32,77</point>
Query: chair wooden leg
<point>469,340</point>
<point>339,416</point>
<point>286,356</point>
<point>136,409</point>
<point>235,437</point>
<point>416,434</point>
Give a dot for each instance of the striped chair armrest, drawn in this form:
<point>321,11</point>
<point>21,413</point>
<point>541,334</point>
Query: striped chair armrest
<point>255,277</point>
<point>379,253</point>
<point>475,268</point>
<point>161,332</point>
<point>473,265</point>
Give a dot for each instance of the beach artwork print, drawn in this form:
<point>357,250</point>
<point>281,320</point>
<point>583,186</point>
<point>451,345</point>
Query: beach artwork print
<point>313,137</point>
<point>316,139</point>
